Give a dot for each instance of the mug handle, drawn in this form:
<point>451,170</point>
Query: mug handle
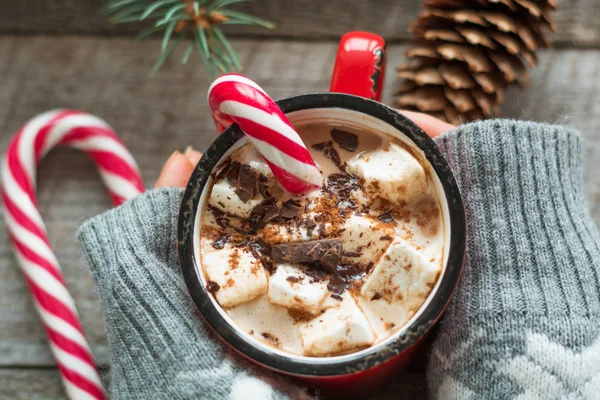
<point>359,65</point>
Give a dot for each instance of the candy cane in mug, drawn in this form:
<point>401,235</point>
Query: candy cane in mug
<point>235,98</point>
<point>28,233</point>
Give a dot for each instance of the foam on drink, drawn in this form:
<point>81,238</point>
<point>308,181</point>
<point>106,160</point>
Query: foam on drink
<point>338,270</point>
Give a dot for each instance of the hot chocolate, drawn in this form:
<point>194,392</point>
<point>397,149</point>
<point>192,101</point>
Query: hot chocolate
<point>337,270</point>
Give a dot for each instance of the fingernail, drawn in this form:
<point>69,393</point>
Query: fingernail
<point>172,156</point>
<point>188,150</point>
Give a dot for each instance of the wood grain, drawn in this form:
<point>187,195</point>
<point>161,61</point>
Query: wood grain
<point>299,19</point>
<point>33,384</point>
<point>154,115</point>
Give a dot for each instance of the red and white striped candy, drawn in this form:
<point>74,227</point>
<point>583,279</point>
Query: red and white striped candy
<point>29,236</point>
<point>235,98</point>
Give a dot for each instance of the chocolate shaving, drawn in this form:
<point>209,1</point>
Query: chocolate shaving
<point>222,221</point>
<point>246,183</point>
<point>329,151</point>
<point>262,251</point>
<point>289,209</point>
<point>264,191</point>
<point>213,287</point>
<point>331,259</point>
<point>321,146</point>
<point>310,226</point>
<point>346,140</point>
<point>310,223</point>
<point>387,217</point>
<point>376,296</point>
<point>336,284</point>
<point>220,217</point>
<point>335,157</point>
<point>342,184</point>
<point>220,242</point>
<point>293,279</point>
<point>386,237</point>
<point>263,213</point>
<point>337,297</point>
<point>312,250</point>
<point>215,211</point>
<point>263,178</point>
<point>233,172</point>
<point>271,213</point>
<point>342,277</point>
<point>349,272</point>
<point>315,272</point>
<point>351,254</point>
<point>322,232</point>
<point>221,170</point>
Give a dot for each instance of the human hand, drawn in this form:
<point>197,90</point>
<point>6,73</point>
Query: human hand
<point>178,168</point>
<point>432,126</point>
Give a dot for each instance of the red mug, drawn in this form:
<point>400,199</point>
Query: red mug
<point>355,89</point>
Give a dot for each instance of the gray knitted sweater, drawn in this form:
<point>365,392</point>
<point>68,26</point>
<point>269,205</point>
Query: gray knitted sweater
<point>524,322</point>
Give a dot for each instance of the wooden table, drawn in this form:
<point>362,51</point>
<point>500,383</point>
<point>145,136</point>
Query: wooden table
<point>63,53</point>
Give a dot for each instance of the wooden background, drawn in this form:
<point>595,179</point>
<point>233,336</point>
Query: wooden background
<point>63,53</point>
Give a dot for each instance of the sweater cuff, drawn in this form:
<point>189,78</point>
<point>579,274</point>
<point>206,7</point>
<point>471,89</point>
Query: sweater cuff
<point>143,226</point>
<point>540,159</point>
<point>528,222</point>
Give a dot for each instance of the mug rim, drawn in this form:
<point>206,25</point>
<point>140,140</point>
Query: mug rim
<point>325,366</point>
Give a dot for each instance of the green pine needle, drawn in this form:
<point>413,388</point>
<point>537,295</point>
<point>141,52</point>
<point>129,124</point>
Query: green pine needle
<point>195,22</point>
<point>165,55</point>
<point>188,53</point>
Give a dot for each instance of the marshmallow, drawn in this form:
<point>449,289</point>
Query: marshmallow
<point>250,156</point>
<point>240,276</point>
<point>341,328</point>
<point>362,235</point>
<point>402,276</point>
<point>291,288</point>
<point>206,245</point>
<point>224,198</point>
<point>260,316</point>
<point>391,173</point>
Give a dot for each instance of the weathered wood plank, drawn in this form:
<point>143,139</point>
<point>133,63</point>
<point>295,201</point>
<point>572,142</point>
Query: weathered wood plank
<point>33,384</point>
<point>30,384</point>
<point>315,19</point>
<point>155,115</point>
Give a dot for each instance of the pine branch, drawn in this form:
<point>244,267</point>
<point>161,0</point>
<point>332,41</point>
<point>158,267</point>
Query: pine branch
<point>195,22</point>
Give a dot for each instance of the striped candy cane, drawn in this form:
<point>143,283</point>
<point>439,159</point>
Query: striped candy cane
<point>30,239</point>
<point>235,98</point>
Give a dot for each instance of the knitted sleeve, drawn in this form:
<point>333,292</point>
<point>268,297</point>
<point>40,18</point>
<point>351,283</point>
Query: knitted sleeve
<point>525,320</point>
<point>160,347</point>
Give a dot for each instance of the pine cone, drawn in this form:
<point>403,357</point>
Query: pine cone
<point>467,52</point>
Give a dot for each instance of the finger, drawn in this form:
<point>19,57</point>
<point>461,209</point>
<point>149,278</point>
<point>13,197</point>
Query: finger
<point>432,126</point>
<point>192,155</point>
<point>176,172</point>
